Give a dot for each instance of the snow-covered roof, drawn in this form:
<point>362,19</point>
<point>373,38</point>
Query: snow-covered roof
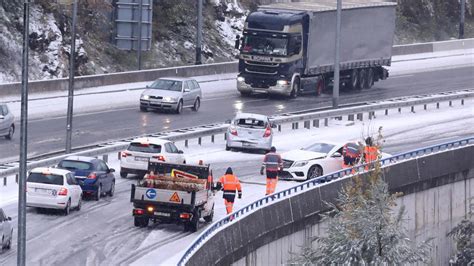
<point>325,5</point>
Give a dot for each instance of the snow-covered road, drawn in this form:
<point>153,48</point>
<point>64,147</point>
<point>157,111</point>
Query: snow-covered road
<point>102,233</point>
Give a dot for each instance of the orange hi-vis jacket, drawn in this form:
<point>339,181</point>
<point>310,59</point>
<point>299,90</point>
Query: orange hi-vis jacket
<point>230,183</point>
<point>371,154</point>
<point>272,162</point>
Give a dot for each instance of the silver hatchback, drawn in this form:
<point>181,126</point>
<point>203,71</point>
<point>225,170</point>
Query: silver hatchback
<point>7,122</point>
<point>250,131</point>
<point>171,94</point>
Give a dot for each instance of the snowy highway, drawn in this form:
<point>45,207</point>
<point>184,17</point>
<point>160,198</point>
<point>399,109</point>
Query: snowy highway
<point>100,116</point>
<point>102,233</point>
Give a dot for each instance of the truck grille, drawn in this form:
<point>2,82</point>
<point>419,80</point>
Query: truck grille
<point>287,163</point>
<point>261,68</point>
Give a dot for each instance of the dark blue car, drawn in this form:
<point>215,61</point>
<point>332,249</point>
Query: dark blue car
<point>93,175</point>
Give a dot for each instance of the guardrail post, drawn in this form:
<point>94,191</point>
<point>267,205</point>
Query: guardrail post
<point>326,122</point>
<point>371,115</point>
<point>186,143</point>
<point>450,103</point>
<point>212,138</point>
<point>399,110</point>
<point>437,105</point>
<point>462,101</point>
<point>199,141</point>
<point>4,181</point>
<point>386,111</point>
<point>360,116</point>
<point>16,178</point>
<point>225,136</point>
<point>316,123</point>
<point>105,157</point>
<point>350,117</point>
<point>413,109</point>
<point>279,128</point>
<point>306,124</point>
<point>294,125</point>
<point>425,106</point>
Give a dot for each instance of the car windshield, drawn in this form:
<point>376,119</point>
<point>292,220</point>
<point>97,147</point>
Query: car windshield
<point>165,84</point>
<point>320,147</point>
<point>260,45</point>
<point>147,148</point>
<point>250,123</point>
<point>75,165</point>
<point>49,179</point>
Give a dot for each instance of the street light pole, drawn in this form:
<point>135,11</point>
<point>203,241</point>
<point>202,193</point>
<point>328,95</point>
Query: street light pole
<point>461,23</point>
<point>139,43</point>
<point>21,255</point>
<point>335,91</point>
<point>199,33</point>
<point>70,98</point>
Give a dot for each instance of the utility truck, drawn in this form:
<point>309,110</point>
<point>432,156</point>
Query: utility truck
<point>289,48</point>
<point>174,193</point>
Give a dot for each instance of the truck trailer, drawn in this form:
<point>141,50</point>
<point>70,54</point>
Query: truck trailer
<point>289,48</point>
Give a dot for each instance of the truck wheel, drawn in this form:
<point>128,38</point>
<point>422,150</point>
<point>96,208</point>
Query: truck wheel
<point>370,78</point>
<point>354,79</point>
<point>195,224</point>
<point>140,221</point>
<point>209,218</point>
<point>245,93</point>
<point>320,86</point>
<point>362,79</point>
<point>123,174</point>
<point>295,90</point>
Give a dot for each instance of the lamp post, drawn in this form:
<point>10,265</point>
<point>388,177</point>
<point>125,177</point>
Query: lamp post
<point>139,43</point>
<point>70,98</point>
<point>461,23</point>
<point>335,91</point>
<point>199,33</point>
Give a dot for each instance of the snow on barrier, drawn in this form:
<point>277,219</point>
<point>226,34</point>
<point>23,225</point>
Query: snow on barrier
<point>308,117</point>
<point>221,244</point>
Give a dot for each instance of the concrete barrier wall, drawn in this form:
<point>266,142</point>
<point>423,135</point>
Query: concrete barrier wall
<point>83,82</point>
<point>438,192</point>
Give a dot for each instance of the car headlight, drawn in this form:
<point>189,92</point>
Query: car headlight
<point>240,79</point>
<point>169,99</point>
<point>145,97</point>
<point>300,163</point>
<point>282,82</point>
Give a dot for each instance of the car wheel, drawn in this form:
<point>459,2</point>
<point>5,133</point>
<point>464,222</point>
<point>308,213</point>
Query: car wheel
<point>99,193</point>
<point>227,148</point>
<point>209,218</point>
<point>143,109</point>
<point>9,243</point>
<point>314,172</point>
<point>79,204</point>
<point>196,105</point>
<point>112,190</point>
<point>11,130</point>
<point>179,108</point>
<point>123,174</point>
<point>67,210</point>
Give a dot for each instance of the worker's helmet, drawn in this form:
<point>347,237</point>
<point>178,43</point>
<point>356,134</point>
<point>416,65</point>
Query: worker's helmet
<point>369,141</point>
<point>273,149</point>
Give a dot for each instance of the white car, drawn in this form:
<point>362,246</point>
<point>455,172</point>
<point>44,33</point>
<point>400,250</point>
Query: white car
<point>53,188</point>
<point>316,160</point>
<point>249,131</point>
<point>6,231</point>
<point>140,151</point>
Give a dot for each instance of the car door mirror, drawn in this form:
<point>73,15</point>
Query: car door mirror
<point>187,90</point>
<point>336,155</point>
<point>9,218</point>
<point>111,170</point>
<point>180,152</point>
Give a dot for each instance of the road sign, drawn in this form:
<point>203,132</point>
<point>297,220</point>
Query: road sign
<point>127,24</point>
<point>150,193</point>
<point>175,197</point>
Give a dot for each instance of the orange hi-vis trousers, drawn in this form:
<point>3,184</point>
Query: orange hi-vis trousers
<point>271,185</point>
<point>228,206</point>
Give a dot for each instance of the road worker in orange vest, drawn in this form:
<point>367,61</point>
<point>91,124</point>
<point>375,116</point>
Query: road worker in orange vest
<point>229,184</point>
<point>272,163</point>
<point>350,155</point>
<point>371,153</point>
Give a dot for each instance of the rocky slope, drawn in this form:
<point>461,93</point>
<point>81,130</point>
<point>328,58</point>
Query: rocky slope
<point>173,33</point>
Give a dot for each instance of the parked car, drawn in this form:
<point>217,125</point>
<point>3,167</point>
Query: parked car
<point>249,131</point>
<point>6,230</point>
<point>172,94</point>
<point>53,188</point>
<point>94,176</point>
<point>7,122</point>
<point>135,159</point>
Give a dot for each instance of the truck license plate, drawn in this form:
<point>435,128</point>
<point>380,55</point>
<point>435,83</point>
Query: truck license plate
<point>162,214</point>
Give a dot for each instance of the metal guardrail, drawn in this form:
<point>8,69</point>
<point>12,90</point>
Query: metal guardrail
<point>310,184</point>
<point>8,169</point>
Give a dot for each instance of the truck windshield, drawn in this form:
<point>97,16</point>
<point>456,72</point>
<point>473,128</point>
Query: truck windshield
<point>164,84</point>
<point>261,45</point>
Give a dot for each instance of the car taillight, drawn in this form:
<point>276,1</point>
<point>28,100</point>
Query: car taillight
<point>267,133</point>
<point>138,211</point>
<point>233,131</point>
<point>92,176</point>
<point>124,154</point>
<point>159,158</point>
<point>185,216</point>
<point>62,192</point>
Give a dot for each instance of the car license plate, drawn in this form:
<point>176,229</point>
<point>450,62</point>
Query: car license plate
<point>246,144</point>
<point>162,214</point>
<point>141,159</point>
